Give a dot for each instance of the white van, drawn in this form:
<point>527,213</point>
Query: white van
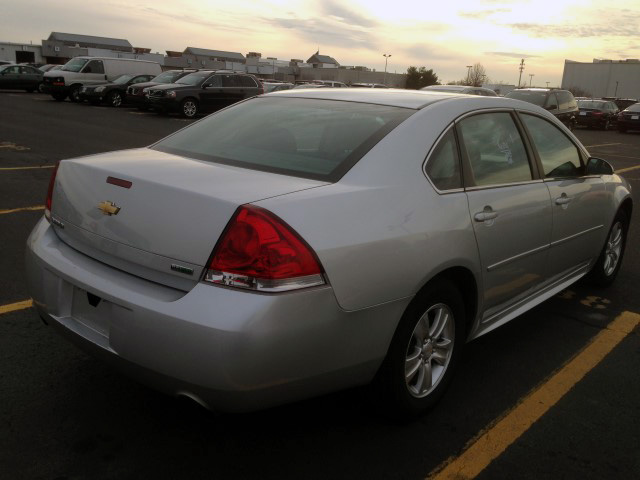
<point>81,71</point>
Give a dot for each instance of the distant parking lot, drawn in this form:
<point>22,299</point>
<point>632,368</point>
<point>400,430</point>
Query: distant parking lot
<point>66,415</point>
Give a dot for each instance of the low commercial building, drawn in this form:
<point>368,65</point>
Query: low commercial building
<point>604,78</point>
<point>20,53</point>
<point>193,57</point>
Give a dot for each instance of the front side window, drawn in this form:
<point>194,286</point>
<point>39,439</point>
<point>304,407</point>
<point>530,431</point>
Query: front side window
<point>558,154</point>
<point>443,166</point>
<point>94,66</point>
<point>247,81</point>
<point>495,149</point>
<point>309,138</point>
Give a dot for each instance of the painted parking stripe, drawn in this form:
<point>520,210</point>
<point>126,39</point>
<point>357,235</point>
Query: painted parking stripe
<point>602,145</point>
<point>22,209</point>
<point>494,440</point>
<point>628,169</point>
<point>26,168</point>
<point>12,307</point>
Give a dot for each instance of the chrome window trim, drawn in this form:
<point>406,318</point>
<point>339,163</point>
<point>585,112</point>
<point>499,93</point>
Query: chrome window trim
<point>575,235</point>
<point>517,257</point>
<point>428,157</point>
<point>502,185</point>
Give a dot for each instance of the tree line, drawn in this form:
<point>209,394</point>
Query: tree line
<point>421,77</point>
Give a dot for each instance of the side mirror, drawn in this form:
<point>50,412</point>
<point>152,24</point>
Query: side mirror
<point>597,166</point>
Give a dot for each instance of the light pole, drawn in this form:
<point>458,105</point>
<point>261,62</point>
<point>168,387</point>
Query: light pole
<point>386,59</point>
<point>531,75</point>
<point>521,68</point>
<point>469,67</point>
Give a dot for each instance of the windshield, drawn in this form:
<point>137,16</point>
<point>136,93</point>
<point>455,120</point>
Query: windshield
<point>193,78</point>
<point>309,138</point>
<point>166,77</point>
<point>122,79</point>
<point>591,104</point>
<point>537,98</point>
<point>4,67</point>
<point>633,108</point>
<point>74,65</point>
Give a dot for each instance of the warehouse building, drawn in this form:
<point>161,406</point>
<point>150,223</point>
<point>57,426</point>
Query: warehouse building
<point>604,78</point>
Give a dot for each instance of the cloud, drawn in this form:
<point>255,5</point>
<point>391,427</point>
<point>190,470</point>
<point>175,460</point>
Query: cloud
<point>482,14</point>
<point>428,53</point>
<point>511,54</point>
<point>576,31</point>
<point>334,9</point>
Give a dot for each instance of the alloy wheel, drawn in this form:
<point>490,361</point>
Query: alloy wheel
<point>613,249</point>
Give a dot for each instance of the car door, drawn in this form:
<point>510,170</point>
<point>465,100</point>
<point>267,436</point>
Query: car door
<point>579,210</point>
<point>510,208</point>
<point>211,97</point>
<point>30,77</point>
<point>233,90</point>
<point>10,77</point>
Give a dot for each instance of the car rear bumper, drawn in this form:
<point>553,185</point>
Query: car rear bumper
<point>629,124</point>
<point>231,350</point>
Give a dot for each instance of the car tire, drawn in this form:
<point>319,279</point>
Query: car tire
<point>40,87</point>
<point>189,107</point>
<point>606,268</point>
<point>427,341</point>
<point>59,97</point>
<point>74,94</point>
<point>114,99</point>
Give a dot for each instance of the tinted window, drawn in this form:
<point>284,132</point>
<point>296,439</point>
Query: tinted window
<point>552,102</point>
<point>558,154</point>
<point>141,79</point>
<point>94,66</point>
<point>166,77</point>
<point>12,70</point>
<point>230,81</point>
<point>537,98</point>
<point>246,81</point>
<point>633,108</point>
<point>193,78</point>
<point>215,81</point>
<point>122,79</point>
<point>495,149</point>
<point>317,139</point>
<point>443,166</point>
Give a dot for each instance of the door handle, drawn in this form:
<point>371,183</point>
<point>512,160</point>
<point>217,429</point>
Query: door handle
<point>487,214</point>
<point>563,199</point>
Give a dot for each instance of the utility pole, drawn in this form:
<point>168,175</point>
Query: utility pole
<point>521,68</point>
<point>616,93</point>
<point>531,75</point>
<point>547,84</point>
<point>386,59</point>
<point>469,67</point>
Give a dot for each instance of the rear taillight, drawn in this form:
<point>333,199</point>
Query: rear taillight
<point>259,251</point>
<point>48,202</point>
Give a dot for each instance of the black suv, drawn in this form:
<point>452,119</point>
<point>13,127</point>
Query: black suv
<point>559,102</point>
<point>136,93</point>
<point>203,91</point>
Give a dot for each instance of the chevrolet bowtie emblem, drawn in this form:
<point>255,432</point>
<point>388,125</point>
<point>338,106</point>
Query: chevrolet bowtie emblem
<point>108,208</point>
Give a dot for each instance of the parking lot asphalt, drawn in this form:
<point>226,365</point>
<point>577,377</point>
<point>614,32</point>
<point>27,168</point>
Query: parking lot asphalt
<point>530,400</point>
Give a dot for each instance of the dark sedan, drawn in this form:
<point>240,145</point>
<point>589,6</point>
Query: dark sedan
<point>629,119</point>
<point>597,113</point>
<point>20,77</point>
<point>203,91</point>
<point>136,93</point>
<point>113,93</point>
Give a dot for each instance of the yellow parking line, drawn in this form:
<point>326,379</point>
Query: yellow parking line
<point>602,145</point>
<point>12,307</point>
<point>494,440</point>
<point>628,169</point>
<point>26,168</point>
<point>23,209</point>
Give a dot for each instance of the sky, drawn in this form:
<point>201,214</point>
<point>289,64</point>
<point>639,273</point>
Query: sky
<point>438,35</point>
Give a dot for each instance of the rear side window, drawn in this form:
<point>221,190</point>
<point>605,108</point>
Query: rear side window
<point>443,166</point>
<point>247,82</point>
<point>309,138</point>
<point>558,154</point>
<point>230,81</point>
<point>495,149</point>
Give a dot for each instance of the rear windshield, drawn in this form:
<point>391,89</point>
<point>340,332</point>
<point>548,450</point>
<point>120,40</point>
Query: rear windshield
<point>166,77</point>
<point>315,139</point>
<point>591,104</point>
<point>536,98</point>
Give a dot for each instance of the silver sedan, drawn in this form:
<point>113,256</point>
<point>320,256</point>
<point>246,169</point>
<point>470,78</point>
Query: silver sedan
<point>308,241</point>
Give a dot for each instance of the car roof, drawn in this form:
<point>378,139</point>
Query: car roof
<point>415,99</point>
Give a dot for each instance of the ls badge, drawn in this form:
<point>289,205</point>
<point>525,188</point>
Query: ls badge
<point>108,208</point>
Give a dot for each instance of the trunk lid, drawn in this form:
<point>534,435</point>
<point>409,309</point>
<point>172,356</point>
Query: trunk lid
<point>164,226</point>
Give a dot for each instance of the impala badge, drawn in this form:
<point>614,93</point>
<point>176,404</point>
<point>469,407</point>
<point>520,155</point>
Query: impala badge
<point>108,208</point>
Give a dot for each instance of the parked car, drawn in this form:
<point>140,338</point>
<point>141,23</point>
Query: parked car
<point>621,103</point>
<point>597,113</point>
<point>203,91</point>
<point>368,85</point>
<point>466,89</point>
<point>272,252</point>
<point>20,77</point>
<point>330,83</point>
<point>113,93</point>
<point>276,87</point>
<point>136,93</point>
<point>49,66</point>
<point>629,118</point>
<point>310,85</point>
<point>81,71</point>
<point>559,102</point>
